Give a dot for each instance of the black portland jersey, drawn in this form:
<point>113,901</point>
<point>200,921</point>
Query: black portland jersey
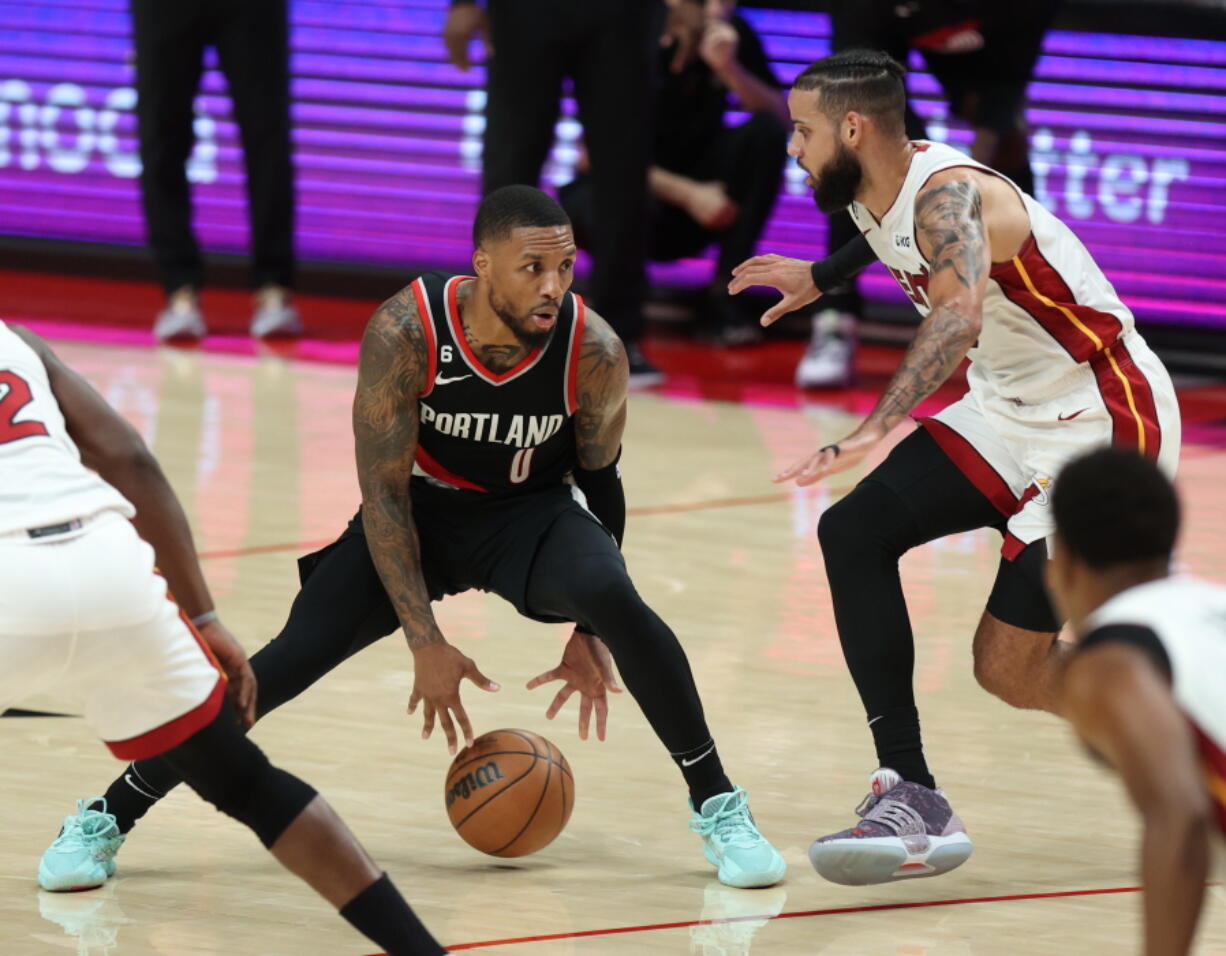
<point>495,433</point>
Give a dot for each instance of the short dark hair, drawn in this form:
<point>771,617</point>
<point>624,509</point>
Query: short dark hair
<point>513,207</point>
<point>863,81</point>
<point>1114,507</point>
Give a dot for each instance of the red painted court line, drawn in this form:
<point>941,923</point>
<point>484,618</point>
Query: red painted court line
<point>685,924</point>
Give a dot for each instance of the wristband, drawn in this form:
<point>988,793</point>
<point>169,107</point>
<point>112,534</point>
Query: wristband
<point>202,619</point>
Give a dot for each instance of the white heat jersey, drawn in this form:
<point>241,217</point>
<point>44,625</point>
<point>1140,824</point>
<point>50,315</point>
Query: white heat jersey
<point>42,480</point>
<point>1189,619</point>
<point>1047,311</point>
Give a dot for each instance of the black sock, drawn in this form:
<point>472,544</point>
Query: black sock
<point>703,773</point>
<point>130,797</point>
<point>381,914</point>
<point>897,736</point>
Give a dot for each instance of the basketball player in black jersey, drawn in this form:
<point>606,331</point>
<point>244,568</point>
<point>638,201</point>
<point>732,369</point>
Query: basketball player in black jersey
<point>488,422</point>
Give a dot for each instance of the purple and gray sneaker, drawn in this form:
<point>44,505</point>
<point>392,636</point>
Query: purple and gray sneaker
<point>905,831</point>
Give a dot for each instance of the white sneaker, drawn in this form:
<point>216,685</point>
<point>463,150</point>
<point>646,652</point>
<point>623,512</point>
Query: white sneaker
<point>182,318</point>
<point>274,314</point>
<point>827,361</point>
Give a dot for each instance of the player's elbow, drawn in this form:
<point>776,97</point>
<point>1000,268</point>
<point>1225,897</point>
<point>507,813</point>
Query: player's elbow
<point>122,455</point>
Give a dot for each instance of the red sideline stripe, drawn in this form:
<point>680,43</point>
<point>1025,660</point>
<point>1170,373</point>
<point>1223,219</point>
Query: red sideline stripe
<point>170,735</point>
<point>427,326</point>
<point>800,914</point>
<point>981,474</point>
<point>426,462</point>
<point>576,347</point>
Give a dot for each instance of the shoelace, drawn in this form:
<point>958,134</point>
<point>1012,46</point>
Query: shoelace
<point>730,824</point>
<point>904,820</point>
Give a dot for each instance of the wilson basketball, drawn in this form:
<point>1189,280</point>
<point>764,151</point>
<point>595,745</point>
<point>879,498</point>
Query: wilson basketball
<point>510,793</point>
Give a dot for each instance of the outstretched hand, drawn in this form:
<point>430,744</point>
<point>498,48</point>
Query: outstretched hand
<point>587,667</point>
<point>792,278</point>
<point>437,672</point>
<point>241,687</point>
<point>833,458</point>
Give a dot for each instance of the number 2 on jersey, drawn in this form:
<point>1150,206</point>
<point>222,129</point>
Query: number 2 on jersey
<point>14,396</point>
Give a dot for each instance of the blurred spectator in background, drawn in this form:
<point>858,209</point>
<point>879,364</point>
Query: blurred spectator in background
<point>607,49</point>
<point>983,54</point>
<point>252,42</point>
<point>709,181</point>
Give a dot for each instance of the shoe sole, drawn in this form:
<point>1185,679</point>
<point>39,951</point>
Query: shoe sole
<point>886,859</point>
<point>743,880</point>
<point>74,888</point>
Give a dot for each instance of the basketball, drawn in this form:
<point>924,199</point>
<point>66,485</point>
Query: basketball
<point>510,793</point>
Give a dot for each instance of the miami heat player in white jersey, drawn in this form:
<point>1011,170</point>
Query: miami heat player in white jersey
<point>1059,366</point>
<point>42,480</point>
<point>1183,621</point>
<point>82,612</point>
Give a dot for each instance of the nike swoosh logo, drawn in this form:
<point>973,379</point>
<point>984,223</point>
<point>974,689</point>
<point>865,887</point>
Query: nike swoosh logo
<point>439,380</point>
<point>690,763</point>
<point>1069,418</point>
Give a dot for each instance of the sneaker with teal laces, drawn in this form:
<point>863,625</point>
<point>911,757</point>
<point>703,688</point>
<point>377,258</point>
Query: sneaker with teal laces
<point>732,843</point>
<point>83,855</point>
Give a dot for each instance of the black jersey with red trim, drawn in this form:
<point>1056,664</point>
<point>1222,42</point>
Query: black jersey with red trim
<point>494,433</point>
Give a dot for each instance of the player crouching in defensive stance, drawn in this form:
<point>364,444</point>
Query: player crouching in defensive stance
<point>84,612</point>
<point>488,422</point>
<point>1146,687</point>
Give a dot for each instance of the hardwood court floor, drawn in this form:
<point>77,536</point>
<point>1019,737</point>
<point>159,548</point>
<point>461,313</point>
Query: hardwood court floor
<point>260,451</point>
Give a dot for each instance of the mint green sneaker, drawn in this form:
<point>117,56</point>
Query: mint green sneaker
<point>83,855</point>
<point>731,842</point>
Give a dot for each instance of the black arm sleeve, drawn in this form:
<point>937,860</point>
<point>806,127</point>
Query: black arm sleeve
<point>843,265</point>
<point>606,498</point>
<point>1135,634</point>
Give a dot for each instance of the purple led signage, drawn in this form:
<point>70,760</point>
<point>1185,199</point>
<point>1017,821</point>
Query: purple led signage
<point>1128,135</point>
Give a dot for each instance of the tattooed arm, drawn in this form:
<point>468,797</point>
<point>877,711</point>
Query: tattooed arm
<point>603,381</point>
<point>951,234</point>
<point>600,419</point>
<point>391,376</point>
<point>949,227</point>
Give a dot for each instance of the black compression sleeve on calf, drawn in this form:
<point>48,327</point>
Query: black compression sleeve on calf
<point>606,498</point>
<point>844,265</point>
<point>381,914</point>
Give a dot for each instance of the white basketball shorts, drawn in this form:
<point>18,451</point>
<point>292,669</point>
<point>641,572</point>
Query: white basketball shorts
<point>84,615</point>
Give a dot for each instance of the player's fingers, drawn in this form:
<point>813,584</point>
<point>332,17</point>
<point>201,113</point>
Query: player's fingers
<point>427,724</point>
<point>544,678</point>
<point>751,276</point>
<point>817,468</point>
<point>466,728</point>
<point>444,719</point>
<point>602,718</point>
<point>792,470</point>
<point>559,701</point>
<point>585,717</point>
<point>479,679</point>
<point>753,261</point>
<point>775,313</point>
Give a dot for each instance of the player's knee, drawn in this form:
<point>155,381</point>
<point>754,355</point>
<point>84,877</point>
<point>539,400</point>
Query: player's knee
<point>233,774</point>
<point>841,527</point>
<point>601,587</point>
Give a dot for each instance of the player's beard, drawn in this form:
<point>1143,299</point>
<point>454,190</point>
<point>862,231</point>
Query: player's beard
<point>521,327</point>
<point>837,181</point>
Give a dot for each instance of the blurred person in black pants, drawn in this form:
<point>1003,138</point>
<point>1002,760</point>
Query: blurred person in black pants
<point>252,42</point>
<point>709,182</point>
<point>608,50</point>
<point>983,55</point>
